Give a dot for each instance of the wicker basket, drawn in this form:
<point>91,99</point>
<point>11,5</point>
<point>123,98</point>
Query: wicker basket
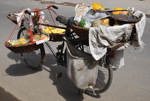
<point>25,48</point>
<point>13,19</point>
<point>35,18</point>
<point>81,32</point>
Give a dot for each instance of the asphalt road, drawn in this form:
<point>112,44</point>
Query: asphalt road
<point>130,83</point>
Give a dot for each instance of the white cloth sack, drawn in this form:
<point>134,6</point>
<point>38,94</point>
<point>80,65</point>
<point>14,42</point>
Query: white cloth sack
<point>117,61</point>
<point>82,69</point>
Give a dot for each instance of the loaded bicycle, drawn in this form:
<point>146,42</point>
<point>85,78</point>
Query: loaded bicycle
<point>87,74</point>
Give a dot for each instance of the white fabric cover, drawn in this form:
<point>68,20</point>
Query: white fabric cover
<point>102,37</point>
<point>140,27</point>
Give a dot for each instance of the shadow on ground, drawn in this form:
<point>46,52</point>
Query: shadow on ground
<point>63,85</point>
<point>6,96</point>
<point>20,68</point>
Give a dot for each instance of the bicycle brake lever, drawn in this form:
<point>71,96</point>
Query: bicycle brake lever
<point>55,7</point>
<point>26,11</point>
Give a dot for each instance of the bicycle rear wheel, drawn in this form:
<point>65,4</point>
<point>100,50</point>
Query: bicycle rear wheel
<point>104,79</point>
<point>34,59</point>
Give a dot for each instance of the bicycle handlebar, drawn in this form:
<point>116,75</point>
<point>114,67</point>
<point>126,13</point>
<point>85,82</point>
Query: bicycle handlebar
<point>55,7</point>
<point>48,7</point>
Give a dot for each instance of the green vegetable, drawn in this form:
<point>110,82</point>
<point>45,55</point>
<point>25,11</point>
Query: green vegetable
<point>82,22</point>
<point>85,23</point>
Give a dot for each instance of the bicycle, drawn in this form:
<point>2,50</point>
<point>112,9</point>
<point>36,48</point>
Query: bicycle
<point>36,58</point>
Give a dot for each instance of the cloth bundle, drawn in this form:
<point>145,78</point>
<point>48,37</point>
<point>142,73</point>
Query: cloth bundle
<point>102,37</point>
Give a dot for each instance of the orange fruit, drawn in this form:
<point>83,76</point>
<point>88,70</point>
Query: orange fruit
<point>97,6</point>
<point>117,12</point>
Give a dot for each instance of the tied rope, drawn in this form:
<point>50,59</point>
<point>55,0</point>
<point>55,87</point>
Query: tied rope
<point>31,32</point>
<point>31,35</point>
<point>51,15</point>
<point>38,10</point>
<point>39,15</point>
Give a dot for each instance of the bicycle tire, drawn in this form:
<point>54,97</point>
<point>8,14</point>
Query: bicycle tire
<point>104,79</point>
<point>102,83</point>
<point>34,59</point>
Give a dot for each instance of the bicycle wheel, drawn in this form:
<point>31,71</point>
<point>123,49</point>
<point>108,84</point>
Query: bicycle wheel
<point>104,79</point>
<point>103,82</point>
<point>34,59</point>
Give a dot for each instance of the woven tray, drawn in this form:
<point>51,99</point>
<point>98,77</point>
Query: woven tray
<point>13,18</point>
<point>25,48</point>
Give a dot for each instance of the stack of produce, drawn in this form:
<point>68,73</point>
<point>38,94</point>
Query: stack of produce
<point>20,41</point>
<point>96,15</point>
<point>52,30</point>
<point>25,40</point>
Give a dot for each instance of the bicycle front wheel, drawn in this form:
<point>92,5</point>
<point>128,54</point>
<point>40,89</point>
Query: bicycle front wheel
<point>34,59</point>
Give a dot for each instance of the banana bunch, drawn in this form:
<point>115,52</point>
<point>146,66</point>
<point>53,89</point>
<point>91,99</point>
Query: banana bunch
<point>20,41</point>
<point>23,40</point>
<point>49,30</point>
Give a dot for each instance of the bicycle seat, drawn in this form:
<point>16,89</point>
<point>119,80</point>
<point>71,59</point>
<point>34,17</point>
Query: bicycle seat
<point>62,19</point>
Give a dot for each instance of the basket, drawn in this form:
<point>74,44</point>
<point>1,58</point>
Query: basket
<point>25,48</point>
<point>13,18</point>
<point>121,19</point>
<point>83,33</point>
